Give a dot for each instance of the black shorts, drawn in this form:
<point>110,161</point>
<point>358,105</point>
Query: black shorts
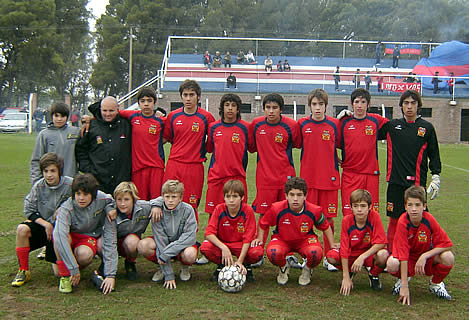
<point>39,239</point>
<point>395,200</point>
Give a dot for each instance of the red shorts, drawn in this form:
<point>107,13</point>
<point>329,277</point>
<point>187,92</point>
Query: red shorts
<point>335,254</point>
<point>266,197</point>
<point>326,199</point>
<point>353,181</point>
<point>120,249</point>
<point>191,175</point>
<point>79,239</point>
<point>213,253</point>
<point>411,268</point>
<point>215,192</point>
<point>148,181</point>
<point>309,248</point>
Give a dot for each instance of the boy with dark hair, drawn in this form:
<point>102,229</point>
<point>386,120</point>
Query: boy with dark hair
<point>40,204</point>
<point>229,142</point>
<point>421,247</point>
<point>294,219</point>
<point>230,231</point>
<point>362,243</point>
<point>147,145</point>
<point>81,230</point>
<point>358,140</point>
<point>57,137</point>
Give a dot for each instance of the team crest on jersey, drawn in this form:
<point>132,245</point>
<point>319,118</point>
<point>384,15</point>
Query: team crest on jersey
<point>366,237</point>
<point>193,199</point>
<point>390,206</point>
<point>331,208</point>
<point>376,206</point>
<point>312,240</point>
<point>152,129</point>
<point>422,237</point>
<point>195,127</point>
<point>235,137</point>
<point>99,139</point>
<point>369,130</point>
<point>326,135</point>
<point>279,138</point>
<point>240,227</point>
<point>304,227</point>
<point>421,132</point>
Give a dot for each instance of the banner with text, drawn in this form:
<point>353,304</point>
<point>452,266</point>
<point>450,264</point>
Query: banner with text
<point>402,86</point>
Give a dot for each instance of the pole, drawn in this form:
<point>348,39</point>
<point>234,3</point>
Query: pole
<point>130,63</point>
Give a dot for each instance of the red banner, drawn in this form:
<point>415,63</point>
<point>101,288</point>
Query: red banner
<point>402,86</point>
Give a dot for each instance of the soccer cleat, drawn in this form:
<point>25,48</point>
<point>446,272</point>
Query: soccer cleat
<point>330,267</point>
<point>396,288</point>
<point>42,254</point>
<point>185,273</point>
<point>214,276</point>
<point>249,275</point>
<point>305,277</point>
<point>131,270</point>
<point>282,277</point>
<point>201,261</point>
<point>293,262</point>
<point>439,289</point>
<point>258,264</point>
<point>158,276</point>
<point>375,283</point>
<point>21,278</point>
<point>65,286</point>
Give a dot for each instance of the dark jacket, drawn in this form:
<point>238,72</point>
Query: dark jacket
<point>105,150</point>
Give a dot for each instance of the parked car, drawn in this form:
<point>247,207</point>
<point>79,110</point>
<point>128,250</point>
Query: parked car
<point>11,110</point>
<point>14,122</point>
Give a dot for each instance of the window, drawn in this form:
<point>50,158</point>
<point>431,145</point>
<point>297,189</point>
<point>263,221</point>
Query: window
<point>288,109</point>
<point>337,109</point>
<point>379,110</point>
<point>246,108</point>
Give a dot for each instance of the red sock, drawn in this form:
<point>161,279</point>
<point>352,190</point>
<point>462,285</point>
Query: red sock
<point>440,271</point>
<point>23,257</point>
<point>375,270</point>
<point>63,270</point>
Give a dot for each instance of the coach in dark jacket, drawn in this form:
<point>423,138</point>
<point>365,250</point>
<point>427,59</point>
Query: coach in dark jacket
<point>105,148</point>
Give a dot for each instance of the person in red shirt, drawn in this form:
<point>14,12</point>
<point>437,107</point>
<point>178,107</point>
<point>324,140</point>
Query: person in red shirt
<point>147,145</point>
<point>358,141</point>
<point>229,142</point>
<point>362,243</point>
<point>294,219</point>
<point>231,229</point>
<point>421,247</point>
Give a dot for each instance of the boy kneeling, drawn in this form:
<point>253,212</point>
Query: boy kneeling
<point>362,242</point>
<point>173,236</point>
<point>230,231</point>
<point>420,247</point>
<point>294,219</point>
<point>79,234</point>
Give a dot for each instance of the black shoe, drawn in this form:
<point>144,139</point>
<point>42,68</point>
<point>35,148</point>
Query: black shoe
<point>375,283</point>
<point>97,280</point>
<point>249,275</point>
<point>131,270</point>
<point>214,276</point>
<point>101,269</point>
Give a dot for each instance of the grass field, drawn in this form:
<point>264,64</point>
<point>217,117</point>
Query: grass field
<point>201,299</point>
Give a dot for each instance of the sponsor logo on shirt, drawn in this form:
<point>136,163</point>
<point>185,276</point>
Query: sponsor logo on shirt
<point>331,208</point>
<point>211,204</point>
<point>226,224</point>
<point>123,136</point>
<point>304,227</point>
<point>279,138</point>
<point>354,238</point>
<point>240,227</point>
<point>286,221</point>
<point>152,129</point>
<point>390,206</point>
<point>218,134</point>
<point>421,132</point>
<point>422,237</point>
<point>262,131</point>
<point>369,130</point>
<point>195,127</point>
<point>137,121</point>
<point>193,199</point>
<point>235,137</point>
<point>352,127</point>
<point>366,237</point>
<point>308,130</point>
<point>99,139</point>
<point>326,135</point>
<point>179,123</point>
<point>398,127</point>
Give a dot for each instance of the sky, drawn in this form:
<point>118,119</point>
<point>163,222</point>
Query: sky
<point>97,7</point>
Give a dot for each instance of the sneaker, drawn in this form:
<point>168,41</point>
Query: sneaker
<point>65,286</point>
<point>282,277</point>
<point>439,289</point>
<point>96,279</point>
<point>375,283</point>
<point>158,276</point>
<point>249,275</point>
<point>21,278</point>
<point>42,254</point>
<point>185,273</point>
<point>201,261</point>
<point>293,262</point>
<point>330,267</point>
<point>305,277</point>
<point>397,286</point>
<point>214,276</point>
<point>131,270</point>
<point>258,264</point>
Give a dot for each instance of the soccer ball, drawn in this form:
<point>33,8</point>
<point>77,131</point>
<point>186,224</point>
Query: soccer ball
<point>230,279</point>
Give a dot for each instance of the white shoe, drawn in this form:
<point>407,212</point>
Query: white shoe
<point>185,274</point>
<point>396,289</point>
<point>294,263</point>
<point>158,276</point>
<point>439,289</point>
<point>42,254</point>
<point>258,264</point>
<point>330,267</point>
<point>305,277</point>
<point>202,260</point>
<point>282,277</point>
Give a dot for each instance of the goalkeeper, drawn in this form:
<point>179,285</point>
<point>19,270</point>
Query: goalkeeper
<point>412,149</point>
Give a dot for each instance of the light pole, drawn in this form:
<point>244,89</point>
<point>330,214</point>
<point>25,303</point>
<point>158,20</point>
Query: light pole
<point>130,64</point>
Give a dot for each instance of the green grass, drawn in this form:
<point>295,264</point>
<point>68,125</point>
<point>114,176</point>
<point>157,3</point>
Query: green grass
<point>200,298</point>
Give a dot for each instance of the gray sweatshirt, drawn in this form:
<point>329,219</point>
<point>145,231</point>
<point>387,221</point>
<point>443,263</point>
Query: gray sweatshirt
<point>43,200</point>
<point>137,223</point>
<point>91,221</point>
<point>176,231</point>
<point>59,140</point>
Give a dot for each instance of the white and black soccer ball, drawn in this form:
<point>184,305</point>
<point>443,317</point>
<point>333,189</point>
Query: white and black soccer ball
<point>230,279</point>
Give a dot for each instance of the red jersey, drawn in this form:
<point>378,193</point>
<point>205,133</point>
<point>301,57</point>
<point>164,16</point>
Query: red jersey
<point>274,144</point>
<point>147,140</point>
<point>355,241</point>
<point>319,161</point>
<point>229,144</point>
<point>292,226</point>
<point>358,141</point>
<point>187,134</point>
<point>228,229</point>
<point>410,242</point>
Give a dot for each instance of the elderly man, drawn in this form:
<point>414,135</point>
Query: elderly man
<point>105,148</point>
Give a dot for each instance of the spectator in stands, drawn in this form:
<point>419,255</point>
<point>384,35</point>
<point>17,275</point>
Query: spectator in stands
<point>217,60</point>
<point>240,58</point>
<point>410,78</point>
<point>231,81</point>
<point>367,80</point>
<point>279,66</point>
<point>337,78</point>
<point>378,53</point>
<point>207,59</point>
<point>396,54</point>
<point>286,66</point>
<point>451,83</point>
<point>250,57</point>
<point>435,81</point>
<point>268,64</point>
<point>227,60</point>
<point>356,79</point>
<point>380,82</point>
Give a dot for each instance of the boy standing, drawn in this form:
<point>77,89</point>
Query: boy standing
<point>294,219</point>
<point>362,242</point>
<point>39,208</point>
<point>421,247</point>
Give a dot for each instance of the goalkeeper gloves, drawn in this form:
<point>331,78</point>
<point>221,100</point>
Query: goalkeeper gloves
<point>434,187</point>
